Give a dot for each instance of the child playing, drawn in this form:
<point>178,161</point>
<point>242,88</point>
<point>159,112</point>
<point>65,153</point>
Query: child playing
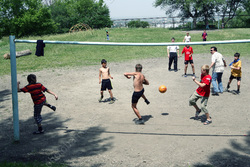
<point>235,72</point>
<point>36,91</point>
<point>104,75</point>
<point>202,92</point>
<point>188,50</point>
<point>139,80</point>
<point>107,33</point>
<point>204,36</point>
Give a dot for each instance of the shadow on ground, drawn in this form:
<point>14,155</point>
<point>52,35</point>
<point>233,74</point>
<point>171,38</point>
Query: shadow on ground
<point>4,95</point>
<point>237,155</point>
<point>56,145</point>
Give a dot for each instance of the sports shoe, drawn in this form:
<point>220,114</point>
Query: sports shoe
<point>185,75</point>
<point>146,101</point>
<point>237,92</point>
<point>100,99</point>
<point>38,132</point>
<point>194,75</point>
<point>111,101</point>
<point>215,94</point>
<point>53,108</point>
<point>140,122</point>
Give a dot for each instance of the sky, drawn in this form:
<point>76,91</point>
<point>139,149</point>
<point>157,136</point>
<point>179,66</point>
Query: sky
<point>121,9</point>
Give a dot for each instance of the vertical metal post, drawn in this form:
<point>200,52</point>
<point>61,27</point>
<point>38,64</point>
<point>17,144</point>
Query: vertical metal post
<point>14,88</point>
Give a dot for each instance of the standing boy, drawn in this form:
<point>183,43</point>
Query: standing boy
<point>202,92</point>
<point>187,38</point>
<point>172,55</point>
<point>235,72</point>
<point>104,75</point>
<point>36,91</point>
<point>204,36</point>
<point>107,33</point>
<point>139,80</point>
<point>188,50</point>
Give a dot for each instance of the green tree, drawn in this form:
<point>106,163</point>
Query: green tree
<point>70,12</point>
<point>138,24</point>
<point>25,17</point>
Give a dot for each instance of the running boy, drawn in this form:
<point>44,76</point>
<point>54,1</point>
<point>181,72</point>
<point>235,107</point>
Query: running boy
<point>36,91</point>
<point>104,75</point>
<point>202,92</point>
<point>235,72</point>
<point>139,80</point>
<point>188,50</point>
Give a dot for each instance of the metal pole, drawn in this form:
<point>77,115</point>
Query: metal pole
<point>14,88</point>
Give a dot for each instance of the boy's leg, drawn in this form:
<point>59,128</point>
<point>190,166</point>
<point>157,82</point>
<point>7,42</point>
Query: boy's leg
<point>175,62</point>
<point>170,61</point>
<point>101,96</point>
<point>111,96</point>
<point>192,102</point>
<point>228,84</point>
<point>193,68</point>
<point>238,86</point>
<point>50,106</point>
<point>145,99</point>
<point>204,101</point>
<point>136,111</point>
<point>38,118</point>
<point>185,70</point>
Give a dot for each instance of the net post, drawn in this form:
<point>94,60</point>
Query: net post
<point>14,88</point>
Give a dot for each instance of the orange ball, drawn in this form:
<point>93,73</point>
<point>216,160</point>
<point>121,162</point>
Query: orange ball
<point>162,89</point>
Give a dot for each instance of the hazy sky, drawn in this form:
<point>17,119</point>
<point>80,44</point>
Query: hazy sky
<point>133,9</point>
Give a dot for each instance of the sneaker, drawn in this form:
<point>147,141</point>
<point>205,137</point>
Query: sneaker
<point>237,92</point>
<point>100,99</point>
<point>146,101</point>
<point>197,114</point>
<point>215,94</point>
<point>185,75</point>
<point>140,122</point>
<point>111,101</point>
<point>175,70</point>
<point>194,75</point>
<point>53,108</point>
<point>38,132</point>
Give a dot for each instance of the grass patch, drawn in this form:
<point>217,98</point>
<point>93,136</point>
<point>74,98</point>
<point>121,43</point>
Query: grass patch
<point>61,56</point>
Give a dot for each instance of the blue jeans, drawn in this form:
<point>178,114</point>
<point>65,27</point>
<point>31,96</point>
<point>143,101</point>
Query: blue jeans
<point>217,76</point>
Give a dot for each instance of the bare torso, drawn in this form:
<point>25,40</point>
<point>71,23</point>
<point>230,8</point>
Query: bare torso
<point>138,81</point>
<point>105,72</point>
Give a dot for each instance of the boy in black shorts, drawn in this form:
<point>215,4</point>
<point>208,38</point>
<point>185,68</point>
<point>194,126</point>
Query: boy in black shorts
<point>104,75</point>
<point>139,80</point>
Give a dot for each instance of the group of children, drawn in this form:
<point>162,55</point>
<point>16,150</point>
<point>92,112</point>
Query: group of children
<point>202,92</point>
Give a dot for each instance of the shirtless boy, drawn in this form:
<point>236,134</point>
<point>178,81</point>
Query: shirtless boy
<point>104,75</point>
<point>139,80</point>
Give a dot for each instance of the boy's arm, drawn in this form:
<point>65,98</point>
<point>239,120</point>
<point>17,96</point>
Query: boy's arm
<point>198,83</point>
<point>109,73</point>
<point>128,75</point>
<point>100,76</point>
<point>18,87</point>
<point>145,82</point>
<point>50,92</point>
<point>168,52</point>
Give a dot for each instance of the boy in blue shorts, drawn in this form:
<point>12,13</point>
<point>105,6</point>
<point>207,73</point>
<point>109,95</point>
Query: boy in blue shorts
<point>36,91</point>
<point>104,75</point>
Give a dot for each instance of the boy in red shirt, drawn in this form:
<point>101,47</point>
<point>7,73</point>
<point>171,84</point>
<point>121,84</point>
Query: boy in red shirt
<point>202,92</point>
<point>36,91</point>
<point>188,50</point>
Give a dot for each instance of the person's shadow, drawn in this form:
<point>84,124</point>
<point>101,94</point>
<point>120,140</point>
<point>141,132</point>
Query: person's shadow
<point>144,117</point>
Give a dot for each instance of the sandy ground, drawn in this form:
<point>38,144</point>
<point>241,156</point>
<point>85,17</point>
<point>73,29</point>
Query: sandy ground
<point>84,132</point>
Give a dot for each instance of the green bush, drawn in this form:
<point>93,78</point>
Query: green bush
<point>138,24</point>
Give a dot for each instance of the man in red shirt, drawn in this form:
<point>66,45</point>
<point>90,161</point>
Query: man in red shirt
<point>188,50</point>
<point>202,92</point>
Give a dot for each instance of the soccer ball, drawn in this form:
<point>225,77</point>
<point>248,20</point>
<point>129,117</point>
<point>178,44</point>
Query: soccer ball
<point>162,89</point>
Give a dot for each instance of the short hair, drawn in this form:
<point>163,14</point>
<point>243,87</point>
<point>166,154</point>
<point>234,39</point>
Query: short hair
<point>103,61</point>
<point>173,38</point>
<point>205,67</point>
<point>31,79</point>
<point>236,55</point>
<point>138,67</point>
<point>215,49</point>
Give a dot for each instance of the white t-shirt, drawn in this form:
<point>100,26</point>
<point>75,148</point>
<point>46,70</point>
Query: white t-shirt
<point>217,59</point>
<point>187,38</point>
<point>173,48</point>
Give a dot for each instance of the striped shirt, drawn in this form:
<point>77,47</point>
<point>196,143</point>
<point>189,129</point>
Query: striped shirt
<point>36,91</point>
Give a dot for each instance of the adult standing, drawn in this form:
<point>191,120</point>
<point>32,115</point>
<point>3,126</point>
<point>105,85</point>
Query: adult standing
<point>218,64</point>
<point>172,55</point>
<point>187,38</point>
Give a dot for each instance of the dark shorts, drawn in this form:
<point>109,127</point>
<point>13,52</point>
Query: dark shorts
<point>232,77</point>
<point>137,95</point>
<point>106,84</point>
<point>204,39</point>
<point>188,61</point>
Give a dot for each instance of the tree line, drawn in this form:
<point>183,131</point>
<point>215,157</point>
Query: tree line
<point>40,17</point>
<point>205,10</point>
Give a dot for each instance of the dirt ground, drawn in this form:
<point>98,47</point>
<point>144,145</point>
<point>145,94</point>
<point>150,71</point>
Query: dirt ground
<point>84,132</point>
